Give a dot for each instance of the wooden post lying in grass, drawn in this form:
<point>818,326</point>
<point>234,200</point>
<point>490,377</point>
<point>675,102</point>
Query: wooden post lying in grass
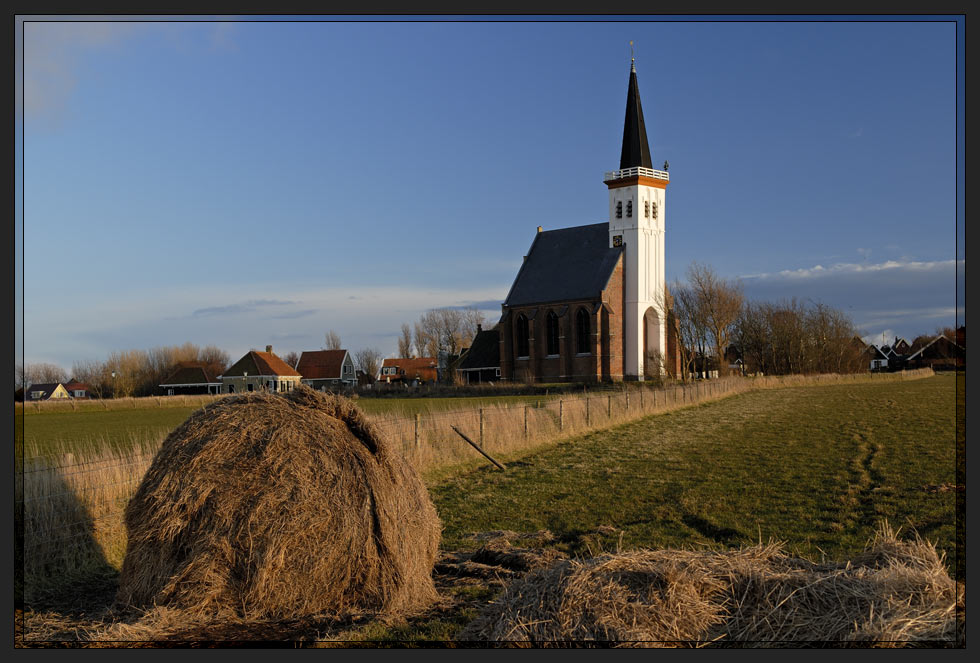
<point>475,446</point>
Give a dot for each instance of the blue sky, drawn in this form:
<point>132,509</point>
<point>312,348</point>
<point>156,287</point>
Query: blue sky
<point>247,183</point>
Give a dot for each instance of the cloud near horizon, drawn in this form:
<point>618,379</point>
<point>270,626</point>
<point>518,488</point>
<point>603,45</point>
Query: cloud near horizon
<point>901,297</point>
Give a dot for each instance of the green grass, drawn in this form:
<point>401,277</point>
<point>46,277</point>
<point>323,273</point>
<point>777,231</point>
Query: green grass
<point>816,467</point>
<point>92,428</point>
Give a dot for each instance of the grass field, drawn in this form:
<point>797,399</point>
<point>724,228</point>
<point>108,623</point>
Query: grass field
<point>814,466</point>
<point>121,428</point>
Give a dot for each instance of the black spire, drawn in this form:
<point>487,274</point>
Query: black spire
<point>636,149</point>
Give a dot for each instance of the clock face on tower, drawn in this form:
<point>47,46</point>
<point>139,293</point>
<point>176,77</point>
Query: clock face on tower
<point>617,240</point>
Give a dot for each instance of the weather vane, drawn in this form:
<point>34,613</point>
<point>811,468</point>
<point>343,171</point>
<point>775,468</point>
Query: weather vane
<point>632,58</point>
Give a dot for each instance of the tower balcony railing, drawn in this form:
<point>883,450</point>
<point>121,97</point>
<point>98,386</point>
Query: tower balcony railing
<point>635,171</point>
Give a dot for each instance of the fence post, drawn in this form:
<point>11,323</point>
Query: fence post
<point>588,419</point>
<point>481,426</point>
<point>609,407</point>
<point>641,398</point>
<point>561,414</point>
<point>418,417</point>
<point>525,422</point>
<point>627,399</point>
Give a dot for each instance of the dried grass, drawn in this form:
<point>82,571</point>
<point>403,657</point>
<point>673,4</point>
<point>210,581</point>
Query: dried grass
<point>275,506</point>
<point>893,593</point>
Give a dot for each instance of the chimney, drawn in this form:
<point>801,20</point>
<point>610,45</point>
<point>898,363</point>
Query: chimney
<point>539,228</point>
<point>479,328</point>
<point>268,349</point>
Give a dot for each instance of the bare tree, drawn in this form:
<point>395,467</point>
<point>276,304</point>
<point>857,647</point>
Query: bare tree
<point>425,337</point>
<point>332,341</point>
<point>691,328</point>
<point>405,341</point>
<point>291,359</point>
<point>41,373</point>
<point>368,360</point>
<point>720,302</point>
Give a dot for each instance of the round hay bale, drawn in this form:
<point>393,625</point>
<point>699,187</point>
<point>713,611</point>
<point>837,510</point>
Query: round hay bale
<point>271,506</point>
<point>896,592</point>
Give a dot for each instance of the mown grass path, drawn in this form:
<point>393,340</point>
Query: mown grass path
<point>816,467</point>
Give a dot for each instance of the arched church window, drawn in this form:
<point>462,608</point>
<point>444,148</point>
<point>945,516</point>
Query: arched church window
<point>646,209</point>
<point>654,209</point>
<point>583,330</point>
<point>619,209</point>
<point>522,336</point>
<point>552,334</point>
<point>629,209</point>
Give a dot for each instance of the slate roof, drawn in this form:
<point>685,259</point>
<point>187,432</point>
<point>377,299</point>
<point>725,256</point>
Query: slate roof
<point>636,149</point>
<point>47,387</point>
<point>565,264</point>
<point>260,363</point>
<point>188,374</point>
<point>485,351</point>
<point>321,364</point>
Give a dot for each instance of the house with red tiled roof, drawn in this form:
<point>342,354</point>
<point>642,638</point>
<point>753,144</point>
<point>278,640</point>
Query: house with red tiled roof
<point>423,370</point>
<point>327,369</point>
<point>77,389</point>
<point>190,377</point>
<point>259,371</point>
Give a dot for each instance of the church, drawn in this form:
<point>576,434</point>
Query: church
<point>590,303</point>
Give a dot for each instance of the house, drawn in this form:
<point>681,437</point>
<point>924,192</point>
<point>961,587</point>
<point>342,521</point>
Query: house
<point>327,369</point>
<point>47,391</point>
<point>877,360</point>
<point>258,371</point>
<point>78,390</point>
<point>365,380</point>
<point>190,378</point>
<point>481,362</point>
<point>589,302</point>
<point>941,354</point>
<point>421,370</point>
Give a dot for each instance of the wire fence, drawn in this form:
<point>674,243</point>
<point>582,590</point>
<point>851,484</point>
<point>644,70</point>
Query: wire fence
<point>87,499</point>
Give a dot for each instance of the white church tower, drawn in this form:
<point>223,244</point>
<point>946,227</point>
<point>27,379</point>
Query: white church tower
<point>637,212</point>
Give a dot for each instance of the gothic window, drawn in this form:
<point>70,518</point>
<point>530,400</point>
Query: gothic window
<point>629,209</point>
<point>583,330</point>
<point>646,209</point>
<point>552,335</point>
<point>619,210</point>
<point>655,210</point>
<point>522,336</point>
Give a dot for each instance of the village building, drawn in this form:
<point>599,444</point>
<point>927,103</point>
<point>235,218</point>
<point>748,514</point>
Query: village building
<point>327,369</point>
<point>78,390</point>
<point>409,371</point>
<point>190,378</point>
<point>481,362</point>
<point>589,302</point>
<point>47,391</point>
<point>259,371</point>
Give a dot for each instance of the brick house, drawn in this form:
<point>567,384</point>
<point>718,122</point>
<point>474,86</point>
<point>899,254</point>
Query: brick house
<point>590,303</point>
<point>327,369</point>
<point>258,371</point>
<point>423,370</point>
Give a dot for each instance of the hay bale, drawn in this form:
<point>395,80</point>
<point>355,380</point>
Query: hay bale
<point>896,592</point>
<point>273,506</point>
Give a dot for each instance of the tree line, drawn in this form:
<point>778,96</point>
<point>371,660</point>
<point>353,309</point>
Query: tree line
<point>715,324</point>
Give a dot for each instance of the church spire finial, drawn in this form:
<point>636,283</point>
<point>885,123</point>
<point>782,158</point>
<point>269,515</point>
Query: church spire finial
<point>632,58</point>
<point>636,149</point>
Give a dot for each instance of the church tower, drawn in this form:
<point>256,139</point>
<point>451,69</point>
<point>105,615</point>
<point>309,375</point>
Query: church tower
<point>637,212</point>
